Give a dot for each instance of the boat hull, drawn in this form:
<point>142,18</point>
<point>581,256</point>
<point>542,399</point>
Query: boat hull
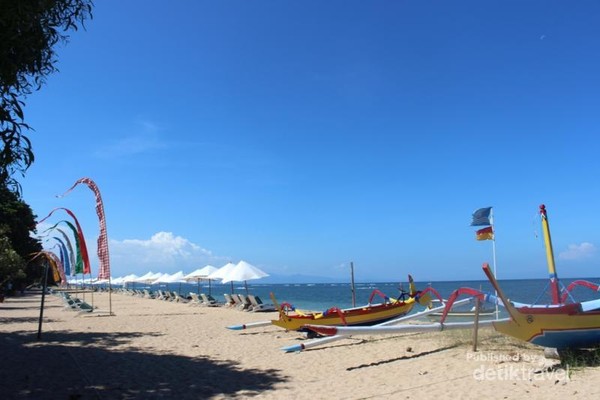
<point>360,316</point>
<point>557,330</point>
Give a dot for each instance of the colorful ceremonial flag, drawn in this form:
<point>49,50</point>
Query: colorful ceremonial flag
<point>481,217</point>
<point>78,266</point>
<point>82,248</point>
<point>485,234</point>
<point>104,272</point>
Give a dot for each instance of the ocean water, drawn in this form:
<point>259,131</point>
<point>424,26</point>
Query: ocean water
<point>321,296</point>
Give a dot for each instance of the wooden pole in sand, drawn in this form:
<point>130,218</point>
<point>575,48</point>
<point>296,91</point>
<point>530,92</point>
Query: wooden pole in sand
<point>476,325</point>
<point>44,287</point>
<point>352,280</point>
<point>109,297</point>
<point>92,289</point>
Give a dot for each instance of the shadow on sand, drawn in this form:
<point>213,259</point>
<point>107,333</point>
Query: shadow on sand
<point>66,365</point>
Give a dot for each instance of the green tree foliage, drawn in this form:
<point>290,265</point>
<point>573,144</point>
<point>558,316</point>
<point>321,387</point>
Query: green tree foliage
<point>12,266</point>
<point>29,32</point>
<point>16,244</point>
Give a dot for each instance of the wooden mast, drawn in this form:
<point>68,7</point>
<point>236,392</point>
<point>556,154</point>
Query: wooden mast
<point>554,290</point>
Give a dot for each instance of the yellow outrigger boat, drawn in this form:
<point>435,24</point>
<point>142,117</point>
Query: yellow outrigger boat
<point>294,320</point>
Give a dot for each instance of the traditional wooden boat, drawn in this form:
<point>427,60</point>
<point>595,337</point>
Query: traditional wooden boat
<point>331,332</point>
<point>294,320</point>
<point>573,325</point>
<point>558,325</point>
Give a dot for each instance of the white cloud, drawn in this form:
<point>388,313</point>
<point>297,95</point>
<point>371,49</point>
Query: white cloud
<point>163,252</point>
<point>146,138</point>
<point>578,251</point>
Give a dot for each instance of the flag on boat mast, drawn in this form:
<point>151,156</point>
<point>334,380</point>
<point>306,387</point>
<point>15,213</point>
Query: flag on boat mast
<point>485,234</point>
<point>484,217</point>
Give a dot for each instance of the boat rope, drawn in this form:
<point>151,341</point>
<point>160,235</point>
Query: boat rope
<point>541,294</point>
<point>567,293</point>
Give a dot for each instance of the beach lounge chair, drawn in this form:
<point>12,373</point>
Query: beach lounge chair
<point>68,301</point>
<point>164,295</point>
<point>75,304</point>
<point>245,304</point>
<point>168,295</point>
<point>85,307</point>
<point>229,302</point>
<point>160,295</point>
<point>195,301</point>
<point>258,305</point>
<point>237,303</point>
<point>208,300</point>
<point>178,298</point>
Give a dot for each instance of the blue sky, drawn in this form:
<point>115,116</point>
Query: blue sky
<point>300,136</point>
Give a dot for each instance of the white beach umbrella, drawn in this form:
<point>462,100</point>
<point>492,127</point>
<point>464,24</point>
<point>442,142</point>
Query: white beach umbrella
<point>127,279</point>
<point>118,281</point>
<point>155,277</point>
<point>201,273</point>
<point>163,278</point>
<point>244,271</point>
<point>177,277</point>
<point>130,278</point>
<point>174,278</point>
<point>147,277</point>
<point>222,272</point>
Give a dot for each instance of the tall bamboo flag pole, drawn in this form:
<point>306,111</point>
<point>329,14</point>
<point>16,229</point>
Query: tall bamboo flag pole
<point>44,288</point>
<point>103,256</point>
<point>352,279</point>
<point>485,217</point>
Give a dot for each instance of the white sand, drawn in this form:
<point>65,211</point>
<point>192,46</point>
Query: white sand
<point>156,349</point>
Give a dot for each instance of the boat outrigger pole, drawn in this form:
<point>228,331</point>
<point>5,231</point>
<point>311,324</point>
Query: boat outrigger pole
<point>550,257</point>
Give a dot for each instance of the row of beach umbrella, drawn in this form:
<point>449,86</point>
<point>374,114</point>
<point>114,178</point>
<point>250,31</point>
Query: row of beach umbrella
<point>240,272</point>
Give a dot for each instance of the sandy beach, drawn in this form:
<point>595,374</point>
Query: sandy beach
<point>157,349</point>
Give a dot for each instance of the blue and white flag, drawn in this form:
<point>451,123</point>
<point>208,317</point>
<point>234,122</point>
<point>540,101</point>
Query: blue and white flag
<point>481,217</point>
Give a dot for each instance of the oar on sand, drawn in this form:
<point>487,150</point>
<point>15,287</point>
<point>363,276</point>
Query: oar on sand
<point>257,324</point>
<point>249,325</point>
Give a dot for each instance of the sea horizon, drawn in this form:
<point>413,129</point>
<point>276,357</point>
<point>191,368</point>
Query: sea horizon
<point>321,296</point>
